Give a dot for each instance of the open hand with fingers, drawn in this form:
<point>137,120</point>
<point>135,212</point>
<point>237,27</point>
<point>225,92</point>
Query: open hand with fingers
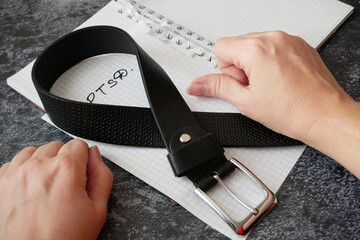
<point>280,81</point>
<point>274,78</point>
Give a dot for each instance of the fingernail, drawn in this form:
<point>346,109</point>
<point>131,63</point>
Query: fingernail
<point>197,89</point>
<point>97,152</point>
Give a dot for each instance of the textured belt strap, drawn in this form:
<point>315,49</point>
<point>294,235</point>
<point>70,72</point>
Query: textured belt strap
<point>190,138</point>
<point>132,126</point>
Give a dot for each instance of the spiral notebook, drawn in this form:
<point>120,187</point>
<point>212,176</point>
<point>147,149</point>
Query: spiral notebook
<point>180,35</point>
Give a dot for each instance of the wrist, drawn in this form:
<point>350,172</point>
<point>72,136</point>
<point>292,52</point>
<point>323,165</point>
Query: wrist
<point>337,134</point>
<point>344,117</point>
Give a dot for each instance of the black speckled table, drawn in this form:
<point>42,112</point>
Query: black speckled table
<point>318,200</point>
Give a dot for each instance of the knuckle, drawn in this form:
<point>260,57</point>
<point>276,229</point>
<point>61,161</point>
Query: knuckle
<point>220,40</point>
<point>218,45</point>
<point>65,160</point>
<point>5,165</point>
<point>279,35</point>
<point>77,143</point>
<point>57,142</point>
<point>280,41</point>
<point>215,87</point>
<point>299,39</point>
<point>302,43</point>
<point>223,43</point>
<point>32,164</point>
<point>257,46</point>
<point>30,149</point>
<point>284,40</point>
<point>257,42</point>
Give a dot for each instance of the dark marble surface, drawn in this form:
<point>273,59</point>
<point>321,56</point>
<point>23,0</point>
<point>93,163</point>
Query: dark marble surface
<point>318,200</point>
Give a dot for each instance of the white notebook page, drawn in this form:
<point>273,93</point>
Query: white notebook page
<point>151,165</point>
<point>270,164</point>
<point>313,20</point>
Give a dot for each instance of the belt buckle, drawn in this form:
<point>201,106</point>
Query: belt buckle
<point>244,226</point>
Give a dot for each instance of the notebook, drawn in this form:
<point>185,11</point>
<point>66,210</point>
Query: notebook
<point>179,35</point>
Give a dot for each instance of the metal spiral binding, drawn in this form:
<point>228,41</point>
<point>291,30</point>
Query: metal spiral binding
<point>168,30</point>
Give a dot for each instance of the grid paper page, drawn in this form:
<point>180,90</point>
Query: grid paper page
<point>156,171</point>
<point>151,165</point>
<point>270,164</point>
<point>312,20</point>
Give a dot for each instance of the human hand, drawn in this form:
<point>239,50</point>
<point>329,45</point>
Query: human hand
<point>55,191</point>
<point>274,78</point>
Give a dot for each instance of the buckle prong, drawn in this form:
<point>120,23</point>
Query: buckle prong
<point>242,227</point>
<point>221,182</point>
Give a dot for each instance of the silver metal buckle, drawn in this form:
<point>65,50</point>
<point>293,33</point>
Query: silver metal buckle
<point>244,226</point>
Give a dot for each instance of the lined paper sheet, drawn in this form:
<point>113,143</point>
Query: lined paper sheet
<point>313,20</point>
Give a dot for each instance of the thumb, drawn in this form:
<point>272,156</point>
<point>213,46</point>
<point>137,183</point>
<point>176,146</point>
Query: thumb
<point>99,182</point>
<point>220,86</point>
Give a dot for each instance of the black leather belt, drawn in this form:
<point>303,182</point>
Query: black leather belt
<point>194,151</point>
